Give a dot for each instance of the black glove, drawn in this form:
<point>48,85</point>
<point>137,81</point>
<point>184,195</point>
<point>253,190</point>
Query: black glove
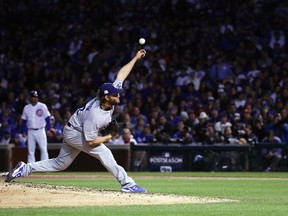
<point>113,128</point>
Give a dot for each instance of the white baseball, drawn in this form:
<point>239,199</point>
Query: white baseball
<point>142,41</point>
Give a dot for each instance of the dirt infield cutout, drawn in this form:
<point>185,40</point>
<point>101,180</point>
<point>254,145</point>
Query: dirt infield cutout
<point>19,195</point>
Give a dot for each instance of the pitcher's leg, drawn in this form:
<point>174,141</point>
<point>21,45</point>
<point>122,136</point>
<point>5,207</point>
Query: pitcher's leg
<point>107,159</point>
<point>65,158</point>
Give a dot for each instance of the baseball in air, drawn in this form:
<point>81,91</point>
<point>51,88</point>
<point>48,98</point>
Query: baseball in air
<point>142,41</point>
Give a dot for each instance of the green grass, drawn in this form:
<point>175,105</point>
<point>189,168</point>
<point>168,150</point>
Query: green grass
<point>258,194</point>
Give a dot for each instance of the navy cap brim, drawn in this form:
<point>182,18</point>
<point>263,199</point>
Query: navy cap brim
<point>109,89</point>
<point>118,91</point>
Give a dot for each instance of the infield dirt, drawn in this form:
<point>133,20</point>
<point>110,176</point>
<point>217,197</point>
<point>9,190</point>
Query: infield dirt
<point>19,195</point>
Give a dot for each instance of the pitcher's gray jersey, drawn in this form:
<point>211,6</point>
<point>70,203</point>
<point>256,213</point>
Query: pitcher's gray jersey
<point>90,119</point>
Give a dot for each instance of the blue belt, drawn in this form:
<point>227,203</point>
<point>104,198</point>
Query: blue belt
<point>35,128</point>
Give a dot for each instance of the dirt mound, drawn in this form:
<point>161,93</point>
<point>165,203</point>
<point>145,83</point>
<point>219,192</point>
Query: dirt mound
<point>19,195</point>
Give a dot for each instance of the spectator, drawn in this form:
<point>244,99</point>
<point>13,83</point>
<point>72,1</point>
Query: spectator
<point>192,121</point>
<point>139,125</point>
<point>229,138</point>
<point>240,99</point>
<point>4,128</point>
<point>281,129</point>
<point>210,136</point>
<point>277,38</point>
<point>55,134</point>
<point>18,140</point>
<point>125,138</point>
<point>6,138</point>
<point>196,77</point>
<point>214,116</point>
<point>172,114</point>
<point>127,121</point>
<point>182,78</point>
<point>7,119</point>
<point>164,130</point>
<point>232,112</point>
<point>182,134</point>
<point>249,135</point>
<point>253,72</point>
<point>136,115</point>
<point>270,157</point>
<point>222,124</point>
<point>201,128</point>
<point>247,115</point>
<point>221,70</point>
<point>259,129</point>
<point>145,136</point>
<point>55,104</point>
<point>75,45</point>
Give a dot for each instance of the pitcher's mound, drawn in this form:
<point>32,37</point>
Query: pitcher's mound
<point>19,195</point>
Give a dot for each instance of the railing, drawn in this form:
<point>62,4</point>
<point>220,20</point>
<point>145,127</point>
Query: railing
<point>188,152</point>
<point>11,155</point>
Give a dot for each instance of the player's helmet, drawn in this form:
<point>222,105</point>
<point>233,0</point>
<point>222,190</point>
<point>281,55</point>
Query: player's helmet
<point>33,93</point>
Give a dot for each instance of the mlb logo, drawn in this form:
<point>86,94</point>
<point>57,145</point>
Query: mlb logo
<point>165,169</point>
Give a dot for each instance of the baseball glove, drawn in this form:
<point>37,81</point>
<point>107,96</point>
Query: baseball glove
<point>113,128</point>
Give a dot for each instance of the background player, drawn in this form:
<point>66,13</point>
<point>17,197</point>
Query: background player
<point>83,133</point>
<point>35,121</point>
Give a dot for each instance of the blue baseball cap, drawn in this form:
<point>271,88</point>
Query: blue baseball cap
<point>33,93</point>
<point>109,89</point>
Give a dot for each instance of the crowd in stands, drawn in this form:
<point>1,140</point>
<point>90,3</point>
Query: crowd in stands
<point>215,71</point>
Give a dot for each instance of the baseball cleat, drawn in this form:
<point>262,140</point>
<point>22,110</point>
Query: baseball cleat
<point>16,172</point>
<point>134,189</point>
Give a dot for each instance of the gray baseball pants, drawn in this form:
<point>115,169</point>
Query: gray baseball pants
<point>73,144</point>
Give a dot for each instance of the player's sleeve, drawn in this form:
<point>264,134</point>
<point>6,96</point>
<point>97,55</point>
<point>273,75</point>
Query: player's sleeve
<point>24,126</point>
<point>118,84</point>
<point>24,121</point>
<point>24,116</point>
<point>46,111</point>
<point>48,122</point>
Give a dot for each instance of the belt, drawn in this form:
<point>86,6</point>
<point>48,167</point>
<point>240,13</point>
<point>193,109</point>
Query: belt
<point>35,128</point>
